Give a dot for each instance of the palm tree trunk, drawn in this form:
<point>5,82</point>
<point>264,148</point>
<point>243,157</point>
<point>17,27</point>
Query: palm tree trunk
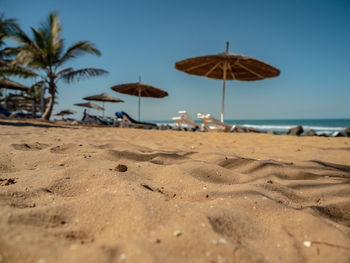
<point>48,110</point>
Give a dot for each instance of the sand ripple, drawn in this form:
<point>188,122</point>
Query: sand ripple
<point>185,197</point>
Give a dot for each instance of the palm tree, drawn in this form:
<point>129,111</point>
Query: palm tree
<point>45,55</point>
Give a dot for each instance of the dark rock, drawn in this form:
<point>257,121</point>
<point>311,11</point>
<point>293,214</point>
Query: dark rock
<point>296,131</point>
<point>121,168</point>
<point>344,133</point>
<point>309,133</point>
<point>242,129</point>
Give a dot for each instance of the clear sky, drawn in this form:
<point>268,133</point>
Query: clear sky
<point>309,41</point>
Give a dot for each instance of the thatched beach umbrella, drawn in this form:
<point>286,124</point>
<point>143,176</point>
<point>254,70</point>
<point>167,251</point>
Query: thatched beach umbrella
<point>9,84</point>
<point>18,102</point>
<point>140,89</point>
<point>65,112</point>
<point>89,105</point>
<point>227,66</point>
<point>104,97</point>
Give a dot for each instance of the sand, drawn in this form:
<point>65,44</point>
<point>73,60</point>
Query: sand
<point>91,194</point>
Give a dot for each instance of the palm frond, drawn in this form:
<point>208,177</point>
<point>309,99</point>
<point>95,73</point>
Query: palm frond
<point>9,52</point>
<point>22,37</point>
<point>39,38</point>
<point>79,49</point>
<point>49,40</point>
<point>72,75</point>
<point>16,71</point>
<point>31,55</point>
<point>8,27</point>
<point>60,73</point>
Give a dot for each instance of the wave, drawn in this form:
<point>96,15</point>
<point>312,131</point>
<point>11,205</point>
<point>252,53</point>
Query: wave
<point>287,127</point>
<point>277,128</point>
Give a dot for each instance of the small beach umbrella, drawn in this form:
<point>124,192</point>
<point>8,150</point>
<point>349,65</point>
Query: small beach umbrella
<point>104,97</point>
<point>89,105</point>
<point>65,112</point>
<point>227,66</point>
<point>140,89</point>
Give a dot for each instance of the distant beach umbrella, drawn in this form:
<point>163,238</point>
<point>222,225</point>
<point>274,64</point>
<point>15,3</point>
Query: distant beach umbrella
<point>89,105</point>
<point>104,97</point>
<point>227,66</point>
<point>140,89</point>
<point>9,84</point>
<point>65,112</point>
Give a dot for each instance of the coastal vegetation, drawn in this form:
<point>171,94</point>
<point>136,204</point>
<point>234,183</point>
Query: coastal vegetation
<point>44,56</point>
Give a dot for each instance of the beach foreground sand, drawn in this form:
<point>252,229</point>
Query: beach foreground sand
<point>185,197</point>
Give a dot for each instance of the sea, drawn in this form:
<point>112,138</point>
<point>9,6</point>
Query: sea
<point>321,126</point>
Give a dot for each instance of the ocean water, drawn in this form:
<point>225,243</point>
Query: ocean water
<point>321,126</point>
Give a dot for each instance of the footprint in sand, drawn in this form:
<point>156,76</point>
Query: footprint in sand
<point>30,146</point>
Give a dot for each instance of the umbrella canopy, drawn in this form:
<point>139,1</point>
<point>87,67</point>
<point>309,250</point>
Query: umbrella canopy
<point>140,89</point>
<point>227,66</point>
<point>65,112</point>
<point>104,97</point>
<point>9,84</point>
<point>19,102</point>
<point>89,105</point>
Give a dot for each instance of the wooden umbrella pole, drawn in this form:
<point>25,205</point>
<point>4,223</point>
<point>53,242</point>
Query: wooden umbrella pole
<point>223,92</point>
<point>103,105</point>
<point>139,101</point>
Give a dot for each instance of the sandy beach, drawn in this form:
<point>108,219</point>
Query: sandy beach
<point>91,194</point>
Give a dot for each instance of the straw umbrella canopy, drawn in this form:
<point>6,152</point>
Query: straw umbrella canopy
<point>18,102</point>
<point>9,84</point>
<point>65,112</point>
<point>140,89</point>
<point>227,66</point>
<point>89,105</point>
<point>104,97</point>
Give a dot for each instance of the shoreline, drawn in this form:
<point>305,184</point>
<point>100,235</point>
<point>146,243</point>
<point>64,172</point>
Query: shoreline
<point>298,130</point>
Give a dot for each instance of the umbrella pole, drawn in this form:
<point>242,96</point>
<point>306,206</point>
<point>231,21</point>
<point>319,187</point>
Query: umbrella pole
<point>5,96</point>
<point>139,101</point>
<point>103,105</point>
<point>223,93</point>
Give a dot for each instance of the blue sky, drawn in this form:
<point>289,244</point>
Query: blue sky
<point>307,40</point>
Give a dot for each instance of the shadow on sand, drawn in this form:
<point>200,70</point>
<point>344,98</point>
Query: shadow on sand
<point>33,124</point>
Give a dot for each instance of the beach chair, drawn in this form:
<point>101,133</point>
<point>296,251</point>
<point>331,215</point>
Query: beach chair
<point>185,119</point>
<point>127,122</point>
<point>212,124</point>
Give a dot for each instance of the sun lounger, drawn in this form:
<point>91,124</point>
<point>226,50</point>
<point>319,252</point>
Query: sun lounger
<point>126,121</point>
<point>185,119</point>
<point>212,124</point>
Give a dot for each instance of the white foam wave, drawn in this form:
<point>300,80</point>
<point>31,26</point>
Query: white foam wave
<point>282,128</point>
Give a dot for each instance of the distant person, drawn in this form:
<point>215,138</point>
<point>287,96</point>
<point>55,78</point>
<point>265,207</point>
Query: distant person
<point>85,114</point>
